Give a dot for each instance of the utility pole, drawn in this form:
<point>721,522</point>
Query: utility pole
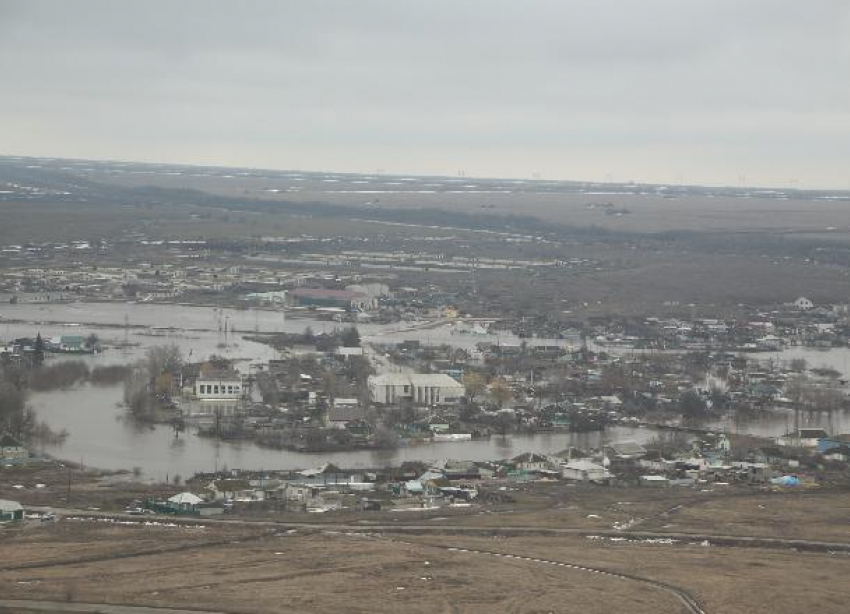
<point>797,422</point>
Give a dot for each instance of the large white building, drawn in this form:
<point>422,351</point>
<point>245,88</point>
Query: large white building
<point>420,388</point>
<point>219,385</point>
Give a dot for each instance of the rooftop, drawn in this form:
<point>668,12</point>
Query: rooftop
<point>414,379</point>
<point>323,293</point>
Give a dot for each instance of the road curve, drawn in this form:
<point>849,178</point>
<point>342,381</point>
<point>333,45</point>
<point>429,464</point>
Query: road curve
<point>689,602</point>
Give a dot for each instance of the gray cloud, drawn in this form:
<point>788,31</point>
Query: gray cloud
<point>708,90</point>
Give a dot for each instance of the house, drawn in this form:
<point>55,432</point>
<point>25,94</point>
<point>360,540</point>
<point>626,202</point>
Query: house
<point>312,497</point>
<point>230,489</point>
<point>654,481</point>
<point>610,401</point>
<point>803,304</point>
<point>275,297</point>
<point>627,449</point>
<point>10,511</point>
<point>326,473</point>
<point>757,473</point>
<point>342,299</point>
<point>804,438</point>
<point>465,470</point>
<point>375,290</point>
<point>301,493</point>
<point>419,388</point>
<point>840,453</point>
<point>340,415</point>
<point>583,470</point>
<point>74,344</point>
<point>369,505</point>
<point>184,502</point>
<point>12,448</point>
<point>218,384</point>
<point>346,352</point>
<point>531,462</point>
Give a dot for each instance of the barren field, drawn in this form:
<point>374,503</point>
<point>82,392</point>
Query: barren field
<point>550,201</point>
<point>642,251</point>
<point>806,515</point>
<point>721,579</point>
<point>283,572</point>
<point>555,548</point>
<point>227,568</point>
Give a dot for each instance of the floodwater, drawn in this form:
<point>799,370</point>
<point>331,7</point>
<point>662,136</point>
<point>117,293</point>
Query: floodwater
<point>100,436</point>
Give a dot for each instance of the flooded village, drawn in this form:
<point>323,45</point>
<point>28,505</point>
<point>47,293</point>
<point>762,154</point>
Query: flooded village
<point>424,308</point>
<point>344,390</point>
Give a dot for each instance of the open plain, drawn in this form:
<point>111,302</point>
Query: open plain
<point>555,550</point>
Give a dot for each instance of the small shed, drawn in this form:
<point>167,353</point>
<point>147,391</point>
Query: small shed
<point>10,511</point>
<point>654,481</point>
<point>185,502</point>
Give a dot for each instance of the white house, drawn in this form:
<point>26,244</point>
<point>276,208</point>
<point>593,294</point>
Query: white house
<point>805,438</point>
<point>348,352</point>
<point>803,304</point>
<point>584,470</point>
<point>420,388</point>
<point>532,462</point>
<point>219,385</point>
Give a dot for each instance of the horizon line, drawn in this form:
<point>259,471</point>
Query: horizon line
<point>381,173</point>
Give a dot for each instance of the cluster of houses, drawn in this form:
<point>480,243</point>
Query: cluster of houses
<point>21,348</point>
<point>346,295</point>
<point>457,483</point>
<point>759,330</point>
<point>419,485</point>
<point>425,392</point>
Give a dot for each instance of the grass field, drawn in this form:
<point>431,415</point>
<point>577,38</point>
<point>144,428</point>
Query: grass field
<point>257,569</point>
<point>646,212</point>
<point>295,573</point>
<point>488,559</point>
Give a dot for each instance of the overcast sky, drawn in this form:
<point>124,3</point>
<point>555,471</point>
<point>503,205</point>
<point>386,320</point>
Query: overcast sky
<point>694,91</point>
